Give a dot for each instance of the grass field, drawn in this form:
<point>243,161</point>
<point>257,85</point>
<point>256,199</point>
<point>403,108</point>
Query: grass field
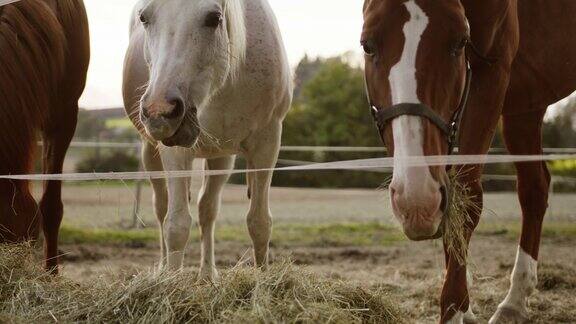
<point>110,205</point>
<point>347,235</point>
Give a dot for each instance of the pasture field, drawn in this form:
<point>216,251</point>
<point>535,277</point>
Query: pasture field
<point>347,235</point>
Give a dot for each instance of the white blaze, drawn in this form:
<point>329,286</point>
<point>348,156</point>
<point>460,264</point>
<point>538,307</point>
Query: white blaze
<point>408,130</point>
<point>403,74</point>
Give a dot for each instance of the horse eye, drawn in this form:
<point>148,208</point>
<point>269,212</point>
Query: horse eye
<point>213,19</point>
<point>143,19</point>
<point>369,48</point>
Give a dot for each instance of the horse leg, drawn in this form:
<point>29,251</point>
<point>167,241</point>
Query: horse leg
<point>152,162</point>
<point>176,227</point>
<point>209,202</point>
<point>262,155</point>
<point>523,137</point>
<point>56,141</point>
<point>455,299</point>
<point>485,111</point>
<point>19,212</point>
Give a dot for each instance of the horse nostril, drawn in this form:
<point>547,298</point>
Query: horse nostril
<point>396,188</point>
<point>177,109</point>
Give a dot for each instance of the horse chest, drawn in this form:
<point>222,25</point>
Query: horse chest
<point>223,132</point>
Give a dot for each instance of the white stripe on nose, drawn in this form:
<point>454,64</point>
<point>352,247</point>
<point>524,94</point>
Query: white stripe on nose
<point>414,187</point>
<point>408,130</point>
<point>403,75</point>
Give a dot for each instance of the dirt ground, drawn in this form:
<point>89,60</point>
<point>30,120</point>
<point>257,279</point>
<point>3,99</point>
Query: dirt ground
<point>412,272</point>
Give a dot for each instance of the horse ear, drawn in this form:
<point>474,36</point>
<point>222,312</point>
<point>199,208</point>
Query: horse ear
<point>367,4</point>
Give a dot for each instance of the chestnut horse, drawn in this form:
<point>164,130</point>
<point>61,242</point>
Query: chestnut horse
<point>420,57</point>
<point>44,54</point>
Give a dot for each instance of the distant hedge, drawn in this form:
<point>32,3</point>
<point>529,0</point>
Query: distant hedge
<point>117,161</point>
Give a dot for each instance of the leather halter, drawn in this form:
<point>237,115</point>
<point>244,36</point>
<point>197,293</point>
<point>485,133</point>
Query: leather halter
<point>450,129</point>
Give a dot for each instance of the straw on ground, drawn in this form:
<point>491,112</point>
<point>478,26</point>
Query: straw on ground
<point>282,294</point>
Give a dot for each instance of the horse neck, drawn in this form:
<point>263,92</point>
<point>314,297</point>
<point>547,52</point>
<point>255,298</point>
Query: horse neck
<point>489,19</point>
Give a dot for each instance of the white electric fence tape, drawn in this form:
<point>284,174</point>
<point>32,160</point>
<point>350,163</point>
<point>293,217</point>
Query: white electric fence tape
<point>5,2</point>
<point>375,164</point>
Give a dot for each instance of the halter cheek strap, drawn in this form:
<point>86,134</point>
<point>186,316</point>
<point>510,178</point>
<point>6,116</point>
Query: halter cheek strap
<point>449,129</point>
<point>384,116</point>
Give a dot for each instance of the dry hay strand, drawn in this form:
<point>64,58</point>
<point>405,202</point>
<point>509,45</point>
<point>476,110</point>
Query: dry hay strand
<point>556,276</point>
<point>458,221</point>
<point>282,294</point>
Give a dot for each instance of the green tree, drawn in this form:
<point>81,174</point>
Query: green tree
<point>305,71</point>
<point>332,109</point>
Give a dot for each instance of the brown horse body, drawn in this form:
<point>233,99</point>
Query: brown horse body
<point>533,52</point>
<point>533,74</point>
<point>44,54</point>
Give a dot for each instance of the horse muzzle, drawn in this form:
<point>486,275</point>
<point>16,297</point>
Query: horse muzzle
<point>171,122</point>
<point>186,136</point>
<point>423,222</point>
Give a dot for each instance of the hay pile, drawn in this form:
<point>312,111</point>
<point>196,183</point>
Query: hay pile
<point>283,294</point>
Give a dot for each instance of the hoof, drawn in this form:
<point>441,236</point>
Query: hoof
<point>506,315</point>
<point>470,318</point>
<point>161,266</point>
<point>457,319</point>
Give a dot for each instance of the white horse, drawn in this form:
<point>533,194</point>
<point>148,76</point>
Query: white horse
<point>207,79</point>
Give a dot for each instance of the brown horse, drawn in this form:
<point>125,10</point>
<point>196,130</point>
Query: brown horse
<point>523,58</point>
<point>44,54</point>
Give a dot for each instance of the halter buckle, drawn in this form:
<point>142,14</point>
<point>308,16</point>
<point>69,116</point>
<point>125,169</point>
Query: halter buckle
<point>374,112</point>
<point>453,132</point>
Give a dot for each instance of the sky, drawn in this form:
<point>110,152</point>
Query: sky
<point>305,26</point>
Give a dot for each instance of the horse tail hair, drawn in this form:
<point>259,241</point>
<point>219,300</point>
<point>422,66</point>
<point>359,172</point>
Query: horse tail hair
<point>32,56</point>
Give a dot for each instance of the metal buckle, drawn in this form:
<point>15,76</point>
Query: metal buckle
<point>374,112</point>
<point>453,131</point>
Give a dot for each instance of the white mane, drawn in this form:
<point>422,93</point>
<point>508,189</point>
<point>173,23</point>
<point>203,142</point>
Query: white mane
<point>236,27</point>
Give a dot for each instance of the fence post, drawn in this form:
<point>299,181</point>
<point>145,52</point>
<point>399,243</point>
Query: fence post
<point>551,198</point>
<point>136,210</point>
<point>97,153</point>
<point>136,222</point>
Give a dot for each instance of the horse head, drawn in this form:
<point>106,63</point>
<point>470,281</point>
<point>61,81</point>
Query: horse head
<point>418,77</point>
<point>192,49</point>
